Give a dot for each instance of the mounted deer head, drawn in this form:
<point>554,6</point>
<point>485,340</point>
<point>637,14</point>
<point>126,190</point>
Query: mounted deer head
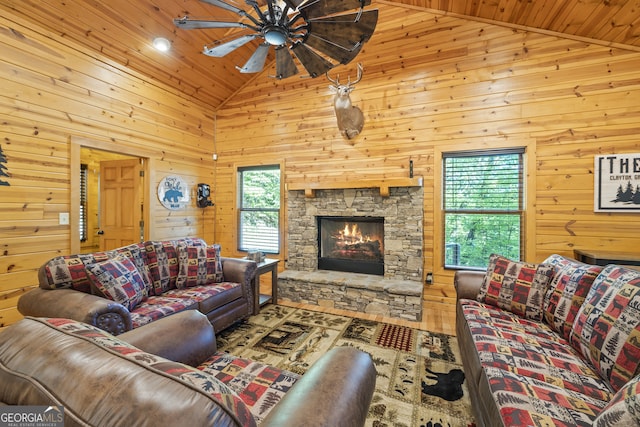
<point>350,118</point>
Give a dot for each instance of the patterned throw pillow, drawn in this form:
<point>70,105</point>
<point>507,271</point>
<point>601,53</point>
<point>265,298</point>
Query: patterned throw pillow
<point>68,271</point>
<point>137,254</point>
<point>119,280</point>
<point>519,287</point>
<point>607,327</point>
<point>162,260</point>
<point>568,289</point>
<point>199,265</point>
<point>623,409</point>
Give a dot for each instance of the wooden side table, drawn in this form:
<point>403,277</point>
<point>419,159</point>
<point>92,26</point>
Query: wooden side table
<point>266,266</point>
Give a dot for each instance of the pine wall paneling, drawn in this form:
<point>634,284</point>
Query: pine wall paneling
<point>434,82</point>
<point>430,82</point>
<point>58,97</point>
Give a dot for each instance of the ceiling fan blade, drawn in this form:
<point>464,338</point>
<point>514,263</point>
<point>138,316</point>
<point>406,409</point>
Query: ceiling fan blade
<point>191,24</point>
<point>257,60</point>
<point>294,4</point>
<point>334,51</point>
<point>312,62</point>
<point>344,30</point>
<point>315,9</point>
<point>225,6</point>
<point>285,67</point>
<point>225,48</point>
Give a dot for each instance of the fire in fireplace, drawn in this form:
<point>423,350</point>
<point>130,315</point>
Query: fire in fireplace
<point>352,244</point>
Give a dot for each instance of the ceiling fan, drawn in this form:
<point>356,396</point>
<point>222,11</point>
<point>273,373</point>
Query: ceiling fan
<point>320,33</point>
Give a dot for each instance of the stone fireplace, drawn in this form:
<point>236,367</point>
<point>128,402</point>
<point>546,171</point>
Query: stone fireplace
<point>394,288</point>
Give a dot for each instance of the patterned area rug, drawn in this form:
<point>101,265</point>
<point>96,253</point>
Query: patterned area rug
<point>420,380</point>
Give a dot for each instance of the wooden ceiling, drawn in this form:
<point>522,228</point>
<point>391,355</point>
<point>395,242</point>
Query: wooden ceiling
<point>124,29</point>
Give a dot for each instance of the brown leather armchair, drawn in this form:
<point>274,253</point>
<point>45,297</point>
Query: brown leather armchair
<point>44,365</point>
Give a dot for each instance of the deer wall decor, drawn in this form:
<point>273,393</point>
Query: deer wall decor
<point>350,118</point>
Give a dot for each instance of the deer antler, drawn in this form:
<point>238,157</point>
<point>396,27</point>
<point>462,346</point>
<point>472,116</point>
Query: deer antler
<point>336,81</point>
<point>358,78</point>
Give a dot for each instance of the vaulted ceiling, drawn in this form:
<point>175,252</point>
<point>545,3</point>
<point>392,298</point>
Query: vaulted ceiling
<point>122,30</point>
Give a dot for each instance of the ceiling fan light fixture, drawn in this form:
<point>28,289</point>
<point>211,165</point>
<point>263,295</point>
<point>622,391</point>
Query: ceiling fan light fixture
<point>275,36</point>
<point>161,44</point>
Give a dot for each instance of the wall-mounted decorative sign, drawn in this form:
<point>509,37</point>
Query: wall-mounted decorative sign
<point>617,183</point>
<point>173,192</point>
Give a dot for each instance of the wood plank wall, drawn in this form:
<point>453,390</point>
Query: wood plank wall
<point>436,83</point>
<point>432,83</point>
<point>55,94</point>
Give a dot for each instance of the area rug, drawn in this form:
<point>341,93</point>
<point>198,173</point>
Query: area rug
<point>419,374</point>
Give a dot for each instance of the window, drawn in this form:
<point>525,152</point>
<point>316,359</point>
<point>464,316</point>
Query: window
<point>483,206</point>
<point>83,202</point>
<point>259,213</point>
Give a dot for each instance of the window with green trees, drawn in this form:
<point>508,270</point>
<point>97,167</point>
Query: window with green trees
<point>259,212</point>
<point>483,206</point>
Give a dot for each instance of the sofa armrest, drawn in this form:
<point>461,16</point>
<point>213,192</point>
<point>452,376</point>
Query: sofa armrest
<point>336,391</point>
<point>238,270</point>
<point>108,315</point>
<point>186,337</point>
<point>468,283</point>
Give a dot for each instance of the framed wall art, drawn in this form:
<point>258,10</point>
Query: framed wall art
<point>617,183</point>
<point>173,192</point>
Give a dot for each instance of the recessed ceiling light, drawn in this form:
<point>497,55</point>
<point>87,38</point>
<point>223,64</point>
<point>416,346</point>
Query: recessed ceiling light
<point>162,44</point>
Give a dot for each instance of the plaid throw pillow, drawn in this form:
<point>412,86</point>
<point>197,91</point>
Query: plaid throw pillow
<point>607,327</point>
<point>518,287</point>
<point>119,280</point>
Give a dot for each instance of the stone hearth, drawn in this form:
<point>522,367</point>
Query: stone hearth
<point>396,294</point>
<point>365,293</point>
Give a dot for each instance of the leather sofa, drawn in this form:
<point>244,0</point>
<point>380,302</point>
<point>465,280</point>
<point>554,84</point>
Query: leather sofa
<point>168,373</point>
<point>555,343</point>
<point>125,288</point>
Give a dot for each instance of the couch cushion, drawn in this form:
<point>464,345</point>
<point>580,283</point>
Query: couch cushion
<point>157,307</point>
<point>570,285</point>
<point>260,386</point>
<point>623,409</point>
<point>119,280</point>
<point>209,297</point>
<point>607,327</point>
<point>534,376</point>
<point>516,286</point>
<point>531,349</point>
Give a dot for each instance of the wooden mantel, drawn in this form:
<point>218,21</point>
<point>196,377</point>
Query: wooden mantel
<point>383,184</point>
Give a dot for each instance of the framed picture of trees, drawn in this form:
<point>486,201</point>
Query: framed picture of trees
<point>617,183</point>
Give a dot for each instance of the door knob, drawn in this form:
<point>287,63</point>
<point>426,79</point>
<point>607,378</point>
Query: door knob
<point>100,233</point>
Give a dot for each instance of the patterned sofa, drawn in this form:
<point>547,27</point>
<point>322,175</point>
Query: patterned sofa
<point>125,288</point>
<point>556,343</point>
<point>168,373</point>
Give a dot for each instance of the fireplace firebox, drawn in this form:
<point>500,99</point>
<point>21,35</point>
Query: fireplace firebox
<point>351,244</point>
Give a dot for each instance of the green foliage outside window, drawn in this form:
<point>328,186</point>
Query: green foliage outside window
<point>260,209</point>
<point>483,207</point>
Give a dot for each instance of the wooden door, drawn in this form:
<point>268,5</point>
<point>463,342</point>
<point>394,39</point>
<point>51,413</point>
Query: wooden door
<point>120,210</point>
